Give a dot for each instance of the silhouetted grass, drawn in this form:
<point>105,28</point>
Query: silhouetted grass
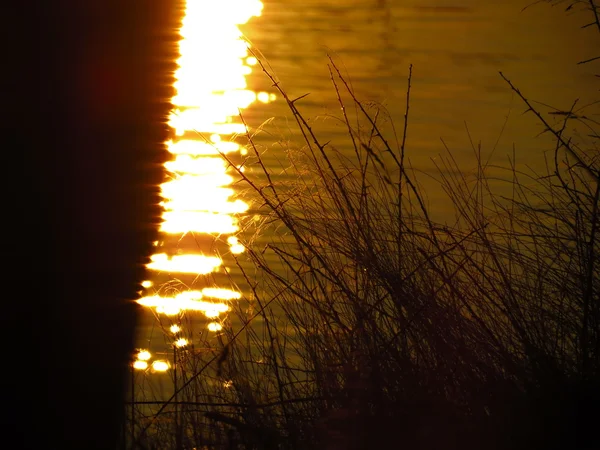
<point>370,325</point>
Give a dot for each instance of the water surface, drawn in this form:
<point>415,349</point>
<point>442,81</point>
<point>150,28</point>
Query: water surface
<point>456,48</point>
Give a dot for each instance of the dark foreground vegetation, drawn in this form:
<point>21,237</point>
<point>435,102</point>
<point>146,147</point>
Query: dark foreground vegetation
<point>371,325</point>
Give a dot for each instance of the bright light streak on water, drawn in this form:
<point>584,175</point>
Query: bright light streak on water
<point>211,91</point>
<point>214,326</point>
<point>211,204</point>
<point>160,366</point>
<point>186,183</point>
<point>199,198</point>
<point>183,302</point>
<point>140,365</point>
<point>221,294</point>
<point>234,246</point>
<point>201,222</point>
<point>190,147</point>
<point>181,342</point>
<point>144,355</point>
<point>188,118</point>
<point>197,166</point>
<point>197,264</point>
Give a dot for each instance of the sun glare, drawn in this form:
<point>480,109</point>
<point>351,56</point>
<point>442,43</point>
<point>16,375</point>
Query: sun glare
<point>186,301</point>
<point>214,326</point>
<point>160,366</point>
<point>197,264</point>
<point>181,342</point>
<point>200,195</point>
<point>144,355</point>
<point>140,365</point>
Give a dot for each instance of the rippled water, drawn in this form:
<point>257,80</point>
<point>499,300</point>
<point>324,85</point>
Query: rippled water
<point>456,49</point>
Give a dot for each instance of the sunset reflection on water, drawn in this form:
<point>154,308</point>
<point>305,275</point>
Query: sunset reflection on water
<point>198,197</point>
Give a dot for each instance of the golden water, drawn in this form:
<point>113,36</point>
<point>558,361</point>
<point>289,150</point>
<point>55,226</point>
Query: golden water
<point>201,206</point>
<point>456,48</point>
